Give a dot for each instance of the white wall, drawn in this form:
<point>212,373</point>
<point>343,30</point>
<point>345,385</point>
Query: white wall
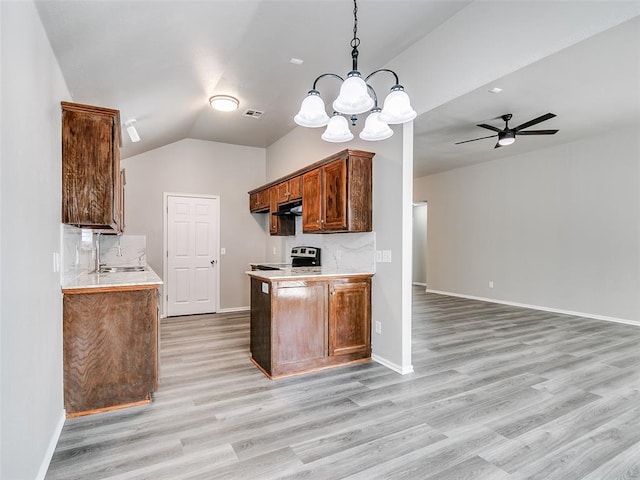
<point>205,168</point>
<point>302,147</point>
<point>558,228</point>
<point>31,392</point>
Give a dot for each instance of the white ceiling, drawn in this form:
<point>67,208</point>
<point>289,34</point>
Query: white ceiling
<point>592,87</point>
<point>160,61</point>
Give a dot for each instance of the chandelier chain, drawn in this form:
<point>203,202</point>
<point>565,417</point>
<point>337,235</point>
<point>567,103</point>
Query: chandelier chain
<point>355,42</point>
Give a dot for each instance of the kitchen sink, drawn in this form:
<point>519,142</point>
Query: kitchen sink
<point>136,268</point>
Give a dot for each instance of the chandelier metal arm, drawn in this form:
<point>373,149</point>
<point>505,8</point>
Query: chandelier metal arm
<point>326,75</point>
<point>374,94</point>
<point>383,70</point>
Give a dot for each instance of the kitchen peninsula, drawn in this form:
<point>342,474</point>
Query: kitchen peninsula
<point>110,340</point>
<point>309,318</point>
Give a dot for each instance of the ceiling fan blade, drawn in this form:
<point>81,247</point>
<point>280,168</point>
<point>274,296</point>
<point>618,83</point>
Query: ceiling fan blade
<point>490,127</point>
<point>473,140</point>
<point>538,132</point>
<point>530,123</point>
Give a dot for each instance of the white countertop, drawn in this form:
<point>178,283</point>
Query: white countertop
<point>105,280</point>
<point>298,273</point>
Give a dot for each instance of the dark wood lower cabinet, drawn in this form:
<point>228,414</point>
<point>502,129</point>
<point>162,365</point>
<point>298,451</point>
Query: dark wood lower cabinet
<point>304,325</point>
<point>110,349</point>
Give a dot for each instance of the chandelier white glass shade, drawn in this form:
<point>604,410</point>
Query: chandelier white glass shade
<point>337,130</point>
<point>224,103</point>
<point>312,112</point>
<point>375,129</point>
<point>356,96</point>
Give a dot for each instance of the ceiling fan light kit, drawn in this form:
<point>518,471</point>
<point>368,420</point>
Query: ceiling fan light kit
<point>356,97</point>
<point>224,103</point>
<point>507,136</point>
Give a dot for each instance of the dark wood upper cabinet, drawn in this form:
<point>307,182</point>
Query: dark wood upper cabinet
<point>259,201</point>
<point>336,195</point>
<point>278,225</point>
<point>289,190</point>
<point>92,195</point>
<point>312,201</point>
<point>295,188</point>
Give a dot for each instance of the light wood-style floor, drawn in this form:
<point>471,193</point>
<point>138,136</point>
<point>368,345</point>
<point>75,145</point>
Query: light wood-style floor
<point>498,393</point>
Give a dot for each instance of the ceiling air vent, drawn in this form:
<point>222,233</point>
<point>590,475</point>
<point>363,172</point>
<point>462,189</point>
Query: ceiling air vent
<point>253,113</point>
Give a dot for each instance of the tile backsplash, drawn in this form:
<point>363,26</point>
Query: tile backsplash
<point>354,251</point>
<point>78,250</point>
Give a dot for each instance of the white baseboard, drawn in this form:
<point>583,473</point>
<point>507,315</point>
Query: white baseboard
<point>396,368</point>
<point>538,307</point>
<point>44,466</point>
<point>420,284</point>
<point>234,309</point>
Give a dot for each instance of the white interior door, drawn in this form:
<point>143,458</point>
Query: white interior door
<point>192,272</point>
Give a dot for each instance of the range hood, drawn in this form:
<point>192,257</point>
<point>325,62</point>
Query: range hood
<point>289,209</point>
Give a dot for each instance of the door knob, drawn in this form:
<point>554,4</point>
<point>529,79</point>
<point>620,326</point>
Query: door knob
<point>213,262</point>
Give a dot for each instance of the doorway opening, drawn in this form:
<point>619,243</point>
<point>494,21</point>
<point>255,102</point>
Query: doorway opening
<point>419,254</point>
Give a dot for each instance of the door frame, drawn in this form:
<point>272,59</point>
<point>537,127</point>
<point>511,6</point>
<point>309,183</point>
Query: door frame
<point>165,247</point>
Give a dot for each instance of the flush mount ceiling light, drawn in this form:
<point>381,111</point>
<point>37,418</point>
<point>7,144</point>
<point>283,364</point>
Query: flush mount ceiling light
<point>354,99</point>
<point>224,103</point>
<point>131,130</point>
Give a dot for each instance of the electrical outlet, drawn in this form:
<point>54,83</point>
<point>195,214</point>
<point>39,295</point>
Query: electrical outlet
<point>490,284</point>
<point>378,327</point>
<point>275,251</point>
<point>386,256</point>
<point>379,256</point>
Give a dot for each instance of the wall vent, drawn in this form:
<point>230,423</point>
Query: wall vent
<point>253,113</point>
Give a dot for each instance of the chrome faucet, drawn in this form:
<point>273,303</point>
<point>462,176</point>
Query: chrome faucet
<point>97,259</point>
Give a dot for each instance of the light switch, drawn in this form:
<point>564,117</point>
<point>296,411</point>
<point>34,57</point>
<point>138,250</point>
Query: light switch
<point>223,251</point>
<point>386,256</point>
<point>265,288</point>
<point>379,256</point>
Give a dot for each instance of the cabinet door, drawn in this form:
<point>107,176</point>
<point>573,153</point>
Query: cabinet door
<point>110,348</point>
<point>335,196</point>
<point>282,192</point>
<point>298,318</point>
<point>295,188</point>
<point>278,225</point>
<point>273,207</point>
<point>259,201</point>
<point>350,317</point>
<point>91,166</point>
<point>311,201</point>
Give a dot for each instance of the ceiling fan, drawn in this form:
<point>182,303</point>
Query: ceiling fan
<point>507,136</point>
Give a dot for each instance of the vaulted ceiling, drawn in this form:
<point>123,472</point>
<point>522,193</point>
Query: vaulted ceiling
<point>160,61</point>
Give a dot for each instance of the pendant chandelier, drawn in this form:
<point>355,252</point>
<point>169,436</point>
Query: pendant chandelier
<point>356,97</point>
